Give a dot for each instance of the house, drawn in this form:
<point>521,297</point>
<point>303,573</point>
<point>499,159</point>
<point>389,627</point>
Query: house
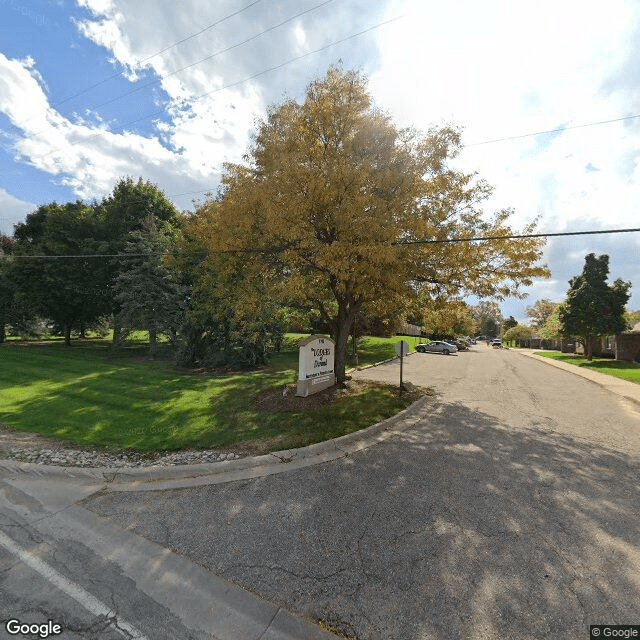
<point>627,345</point>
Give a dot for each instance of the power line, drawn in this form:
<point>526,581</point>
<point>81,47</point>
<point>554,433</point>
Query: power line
<point>213,55</point>
<point>239,82</point>
<point>524,235</point>
<point>475,144</point>
<point>409,242</point>
<point>171,46</point>
<point>559,130</point>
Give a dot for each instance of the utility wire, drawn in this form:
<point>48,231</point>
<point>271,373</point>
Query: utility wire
<point>409,242</point>
<point>475,144</point>
<point>524,235</point>
<point>189,66</point>
<point>213,55</point>
<point>171,46</point>
<point>559,130</point>
<point>239,82</point>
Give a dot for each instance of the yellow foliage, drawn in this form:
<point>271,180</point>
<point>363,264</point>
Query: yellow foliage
<point>335,199</point>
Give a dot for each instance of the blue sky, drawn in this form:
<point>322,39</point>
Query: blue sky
<point>75,114</point>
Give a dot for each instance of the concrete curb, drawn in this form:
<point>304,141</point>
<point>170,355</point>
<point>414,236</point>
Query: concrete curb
<point>623,388</point>
<point>180,476</point>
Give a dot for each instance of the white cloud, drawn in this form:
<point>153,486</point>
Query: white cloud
<point>85,157</point>
<point>501,69</point>
<point>12,211</point>
<point>497,68</point>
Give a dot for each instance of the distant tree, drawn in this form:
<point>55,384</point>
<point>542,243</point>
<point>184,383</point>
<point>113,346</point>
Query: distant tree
<point>593,307</point>
<point>487,318</point>
<point>446,318</point>
<point>125,211</point>
<point>540,311</point>
<point>148,291</point>
<point>6,285</point>
<point>632,318</point>
<point>553,328</point>
<point>509,323</point>
<point>231,319</point>
<point>66,290</point>
<point>518,332</point>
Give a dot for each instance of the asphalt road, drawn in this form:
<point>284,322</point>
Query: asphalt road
<point>510,511</point>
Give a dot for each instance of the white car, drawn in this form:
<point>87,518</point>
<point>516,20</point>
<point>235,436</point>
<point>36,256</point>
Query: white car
<point>496,343</point>
<point>438,346</point>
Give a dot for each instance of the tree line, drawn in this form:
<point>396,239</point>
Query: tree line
<point>592,308</point>
<point>324,221</point>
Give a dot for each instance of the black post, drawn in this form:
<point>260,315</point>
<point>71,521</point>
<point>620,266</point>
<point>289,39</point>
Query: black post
<point>401,358</point>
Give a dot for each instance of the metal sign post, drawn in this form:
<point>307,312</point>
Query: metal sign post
<point>402,348</point>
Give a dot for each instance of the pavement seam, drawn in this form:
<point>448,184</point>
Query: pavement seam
<point>570,368</point>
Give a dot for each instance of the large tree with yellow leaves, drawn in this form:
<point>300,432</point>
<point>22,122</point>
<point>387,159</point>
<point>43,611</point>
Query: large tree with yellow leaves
<point>335,202</point>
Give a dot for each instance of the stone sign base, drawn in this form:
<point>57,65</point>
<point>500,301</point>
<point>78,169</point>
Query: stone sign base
<point>313,385</point>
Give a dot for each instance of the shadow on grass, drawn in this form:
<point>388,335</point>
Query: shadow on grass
<point>459,528</point>
<point>88,396</point>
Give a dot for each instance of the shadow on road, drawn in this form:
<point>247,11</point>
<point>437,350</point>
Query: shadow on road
<point>462,527</point>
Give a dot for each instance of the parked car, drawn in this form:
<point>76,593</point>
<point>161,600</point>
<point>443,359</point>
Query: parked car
<point>496,343</point>
<point>438,346</point>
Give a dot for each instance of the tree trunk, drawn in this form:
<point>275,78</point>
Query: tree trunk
<point>589,348</point>
<point>117,332</point>
<point>67,335</point>
<point>3,333</point>
<point>343,324</point>
<point>153,340</point>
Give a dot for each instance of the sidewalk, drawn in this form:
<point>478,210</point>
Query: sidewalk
<point>623,388</point>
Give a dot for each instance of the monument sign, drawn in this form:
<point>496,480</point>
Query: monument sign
<point>315,365</point>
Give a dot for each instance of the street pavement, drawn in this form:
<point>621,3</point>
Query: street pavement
<point>505,506</point>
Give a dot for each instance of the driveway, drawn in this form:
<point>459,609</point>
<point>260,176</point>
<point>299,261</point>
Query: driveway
<point>509,511</point>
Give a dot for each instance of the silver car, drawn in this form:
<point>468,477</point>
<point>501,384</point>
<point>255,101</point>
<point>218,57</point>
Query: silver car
<point>438,346</point>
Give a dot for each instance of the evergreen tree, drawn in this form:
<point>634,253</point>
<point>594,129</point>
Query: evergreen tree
<point>593,307</point>
<point>148,289</point>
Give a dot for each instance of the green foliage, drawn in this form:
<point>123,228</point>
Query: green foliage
<point>129,207</point>
<point>442,318</point>
<point>69,291</point>
<point>518,332</point>
<point>487,318</point>
<point>553,328</point>
<point>147,289</point>
<point>592,307</point>
<point>6,286</point>
<point>124,215</point>
<point>632,318</point>
<point>509,323</point>
<point>232,318</point>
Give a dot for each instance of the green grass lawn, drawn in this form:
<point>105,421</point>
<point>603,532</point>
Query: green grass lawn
<point>89,396</point>
<point>625,370</point>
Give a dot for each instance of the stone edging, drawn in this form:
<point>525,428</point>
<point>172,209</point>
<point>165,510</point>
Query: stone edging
<point>162,477</point>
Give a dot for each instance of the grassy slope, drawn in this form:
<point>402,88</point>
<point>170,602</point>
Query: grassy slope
<point>86,395</point>
<point>625,370</point>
